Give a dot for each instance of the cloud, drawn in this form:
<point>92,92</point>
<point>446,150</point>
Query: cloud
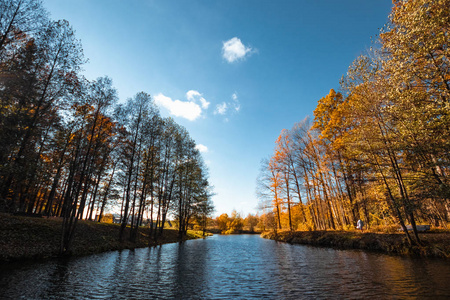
<point>196,96</point>
<point>205,104</point>
<point>221,109</point>
<point>236,103</point>
<point>201,148</point>
<point>188,110</point>
<point>234,50</point>
<point>233,106</point>
<point>191,109</point>
<point>191,94</point>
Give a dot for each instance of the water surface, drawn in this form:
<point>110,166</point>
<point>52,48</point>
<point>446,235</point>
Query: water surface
<point>229,267</point>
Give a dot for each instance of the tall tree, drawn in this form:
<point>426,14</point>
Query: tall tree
<point>133,116</point>
<point>26,16</point>
<point>46,77</point>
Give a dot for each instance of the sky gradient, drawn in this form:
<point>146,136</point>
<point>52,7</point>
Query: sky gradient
<point>234,73</point>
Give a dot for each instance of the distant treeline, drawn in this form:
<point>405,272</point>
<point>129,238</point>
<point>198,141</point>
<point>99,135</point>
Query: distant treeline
<point>68,149</point>
<point>378,150</point>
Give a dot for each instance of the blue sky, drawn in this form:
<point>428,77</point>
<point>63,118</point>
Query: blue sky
<point>234,73</point>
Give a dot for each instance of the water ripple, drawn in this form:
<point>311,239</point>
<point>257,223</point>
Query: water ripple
<point>228,267</point>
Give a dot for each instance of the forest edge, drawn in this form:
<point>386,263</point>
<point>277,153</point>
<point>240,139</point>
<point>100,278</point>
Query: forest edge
<point>27,238</point>
<point>30,238</point>
<point>435,243</point>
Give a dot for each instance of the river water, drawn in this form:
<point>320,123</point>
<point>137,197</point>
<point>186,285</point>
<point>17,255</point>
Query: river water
<point>229,267</point>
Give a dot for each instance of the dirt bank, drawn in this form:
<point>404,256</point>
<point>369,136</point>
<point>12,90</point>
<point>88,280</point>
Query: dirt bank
<point>23,238</point>
<point>435,244</point>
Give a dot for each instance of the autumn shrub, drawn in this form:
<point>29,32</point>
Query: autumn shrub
<point>385,228</point>
<point>304,227</point>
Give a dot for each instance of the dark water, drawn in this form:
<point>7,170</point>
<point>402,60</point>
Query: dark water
<point>229,267</point>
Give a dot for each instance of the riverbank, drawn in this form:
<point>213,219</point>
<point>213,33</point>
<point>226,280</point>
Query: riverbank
<point>218,231</point>
<point>435,244</point>
<point>27,238</point>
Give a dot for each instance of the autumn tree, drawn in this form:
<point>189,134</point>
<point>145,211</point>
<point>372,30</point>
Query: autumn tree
<point>24,16</point>
<point>91,153</point>
<point>416,68</point>
<point>36,86</point>
<point>222,222</point>
<point>378,149</point>
<point>67,149</point>
<point>251,221</point>
<point>133,116</point>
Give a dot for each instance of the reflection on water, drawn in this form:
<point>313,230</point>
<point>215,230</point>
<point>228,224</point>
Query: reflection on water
<point>228,267</point>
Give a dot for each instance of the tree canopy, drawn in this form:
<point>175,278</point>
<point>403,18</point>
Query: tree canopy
<point>69,149</point>
<point>377,150</point>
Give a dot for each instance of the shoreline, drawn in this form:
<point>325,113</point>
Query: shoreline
<point>30,238</point>
<point>435,244</point>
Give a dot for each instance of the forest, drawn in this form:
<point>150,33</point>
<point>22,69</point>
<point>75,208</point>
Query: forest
<point>377,149</point>
<point>70,149</point>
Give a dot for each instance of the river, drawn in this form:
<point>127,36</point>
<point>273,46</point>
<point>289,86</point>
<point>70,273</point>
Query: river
<point>228,267</point>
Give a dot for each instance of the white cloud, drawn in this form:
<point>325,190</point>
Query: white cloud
<point>221,109</point>
<point>193,96</point>
<point>205,104</point>
<point>190,95</point>
<point>191,109</point>
<point>188,110</point>
<point>230,107</point>
<point>234,50</point>
<point>201,148</point>
<point>236,104</point>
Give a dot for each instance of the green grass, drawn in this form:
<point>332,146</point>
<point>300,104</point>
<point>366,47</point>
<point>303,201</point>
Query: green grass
<point>197,234</point>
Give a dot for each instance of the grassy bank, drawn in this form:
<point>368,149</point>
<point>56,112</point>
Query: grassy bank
<point>435,244</point>
<point>218,231</point>
<point>23,238</point>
